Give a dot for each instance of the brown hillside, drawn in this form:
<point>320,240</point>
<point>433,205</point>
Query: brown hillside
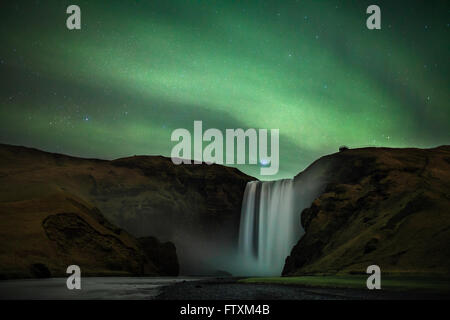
<point>389,207</point>
<point>195,206</point>
<point>41,237</point>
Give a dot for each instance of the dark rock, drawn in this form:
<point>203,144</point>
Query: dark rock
<point>40,270</point>
<point>80,242</point>
<point>163,255</point>
<point>371,245</point>
<point>222,273</point>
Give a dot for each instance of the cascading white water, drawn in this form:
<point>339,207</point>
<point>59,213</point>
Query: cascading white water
<point>270,226</point>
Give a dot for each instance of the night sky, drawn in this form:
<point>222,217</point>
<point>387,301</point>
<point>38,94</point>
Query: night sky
<point>137,70</point>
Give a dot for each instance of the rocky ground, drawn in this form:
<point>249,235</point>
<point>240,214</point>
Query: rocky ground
<point>230,289</point>
<point>92,288</point>
<point>179,288</point>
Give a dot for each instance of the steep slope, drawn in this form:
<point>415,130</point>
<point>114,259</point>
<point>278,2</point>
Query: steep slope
<point>197,207</point>
<point>41,237</point>
<point>389,207</point>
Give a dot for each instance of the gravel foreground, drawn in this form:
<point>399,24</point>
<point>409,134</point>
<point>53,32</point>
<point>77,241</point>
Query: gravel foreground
<point>230,289</point>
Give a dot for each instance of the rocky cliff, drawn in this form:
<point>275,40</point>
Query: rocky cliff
<point>41,237</point>
<point>197,207</point>
<point>389,207</point>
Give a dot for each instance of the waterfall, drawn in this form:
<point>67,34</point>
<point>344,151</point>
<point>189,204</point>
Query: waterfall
<point>270,226</point>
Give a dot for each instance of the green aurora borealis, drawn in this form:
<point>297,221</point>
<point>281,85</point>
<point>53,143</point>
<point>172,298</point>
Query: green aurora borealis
<point>137,70</point>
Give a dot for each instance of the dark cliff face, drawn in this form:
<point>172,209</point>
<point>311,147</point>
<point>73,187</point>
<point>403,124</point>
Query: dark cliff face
<point>197,207</point>
<point>389,207</point>
<point>163,255</point>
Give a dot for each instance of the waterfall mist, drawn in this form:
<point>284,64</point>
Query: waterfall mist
<point>269,226</point>
<point>271,222</point>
